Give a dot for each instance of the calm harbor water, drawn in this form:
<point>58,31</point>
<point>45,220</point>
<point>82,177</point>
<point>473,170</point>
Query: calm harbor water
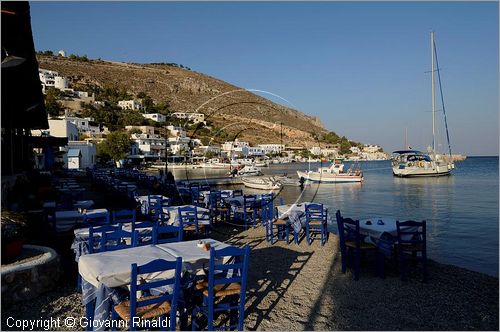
<point>461,210</point>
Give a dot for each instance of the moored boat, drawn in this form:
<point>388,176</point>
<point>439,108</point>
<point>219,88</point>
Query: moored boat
<point>333,174</point>
<point>262,183</point>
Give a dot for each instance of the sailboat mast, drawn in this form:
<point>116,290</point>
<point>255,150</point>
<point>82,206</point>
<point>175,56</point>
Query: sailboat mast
<point>433,96</point>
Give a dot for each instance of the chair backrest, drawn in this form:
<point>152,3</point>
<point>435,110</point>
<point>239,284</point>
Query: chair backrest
<point>214,200</point>
<point>159,213</point>
<point>95,235</point>
<point>96,218</point>
<point>249,201</point>
<point>123,216</point>
<point>188,215</point>
<point>411,232</point>
<point>348,230</point>
<point>153,200</point>
<point>267,206</point>
<point>226,193</point>
<point>205,187</point>
<point>140,281</point>
<point>315,212</point>
<point>228,265</point>
<point>174,232</point>
<point>116,240</point>
<point>237,193</point>
<point>195,195</point>
<point>144,232</point>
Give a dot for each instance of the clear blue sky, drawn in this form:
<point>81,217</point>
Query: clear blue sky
<point>359,66</point>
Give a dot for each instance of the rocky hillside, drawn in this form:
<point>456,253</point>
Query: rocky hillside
<point>242,113</point>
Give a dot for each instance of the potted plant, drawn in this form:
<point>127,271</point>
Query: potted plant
<point>13,234</point>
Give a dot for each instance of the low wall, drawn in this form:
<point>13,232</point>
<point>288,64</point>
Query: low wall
<point>31,277</point>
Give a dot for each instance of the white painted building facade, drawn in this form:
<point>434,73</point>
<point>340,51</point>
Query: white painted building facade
<point>192,117</point>
<point>134,104</point>
<point>157,117</point>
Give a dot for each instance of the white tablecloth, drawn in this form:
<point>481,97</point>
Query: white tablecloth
<point>173,213</point>
<point>65,220</point>
<point>375,230</point>
<point>113,268</point>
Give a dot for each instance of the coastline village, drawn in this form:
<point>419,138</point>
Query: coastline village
<point>149,145</point>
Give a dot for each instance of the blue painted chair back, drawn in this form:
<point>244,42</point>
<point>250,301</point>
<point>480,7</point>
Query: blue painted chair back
<point>237,193</point>
<point>174,234</point>
<point>214,201</point>
<point>205,187</point>
<point>188,216</point>
<point>141,283</point>
<point>124,216</point>
<point>411,232</point>
<point>160,213</point>
<point>229,265</point>
<point>267,204</point>
<point>315,212</point>
<point>95,235</point>
<point>116,240</point>
<point>96,218</point>
<point>144,232</point>
<point>348,231</point>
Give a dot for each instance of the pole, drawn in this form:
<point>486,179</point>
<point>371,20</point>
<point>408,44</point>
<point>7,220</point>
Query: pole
<point>433,96</point>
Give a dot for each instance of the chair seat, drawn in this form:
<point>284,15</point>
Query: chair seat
<point>363,245</point>
<point>219,290</point>
<point>316,223</point>
<point>279,222</point>
<point>146,312</point>
<point>412,247</point>
<point>193,227</point>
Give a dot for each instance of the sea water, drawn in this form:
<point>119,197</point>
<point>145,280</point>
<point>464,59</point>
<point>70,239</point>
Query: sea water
<point>461,210</point>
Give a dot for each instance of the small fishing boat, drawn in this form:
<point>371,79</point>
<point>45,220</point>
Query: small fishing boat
<point>262,183</point>
<point>245,171</point>
<point>287,180</point>
<point>333,174</point>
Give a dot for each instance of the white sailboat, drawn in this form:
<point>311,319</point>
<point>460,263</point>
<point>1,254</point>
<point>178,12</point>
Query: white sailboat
<point>412,163</point>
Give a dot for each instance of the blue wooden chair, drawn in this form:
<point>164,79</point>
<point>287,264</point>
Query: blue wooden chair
<point>266,200</point>
<point>248,212</point>
<point>153,204</point>
<point>214,201</point>
<point>144,232</point>
<point>412,245</point>
<point>124,216</point>
<point>96,219</point>
<point>151,306</point>
<point>116,240</point>
<point>196,198</point>
<point>316,219</point>
<point>188,220</point>
<point>174,234</point>
<point>225,289</point>
<point>95,235</point>
<point>159,212</point>
<point>282,227</point>
<point>351,242</point>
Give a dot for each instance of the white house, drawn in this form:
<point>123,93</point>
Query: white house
<point>62,128</point>
<point>50,78</point>
<point>369,148</point>
<point>272,148</point>
<point>80,155</point>
<point>85,125</point>
<point>134,104</point>
<point>157,117</point>
<point>355,149</point>
<point>150,145</point>
<point>192,117</point>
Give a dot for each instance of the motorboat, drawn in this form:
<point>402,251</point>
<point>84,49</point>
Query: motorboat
<point>332,174</point>
<point>412,163</point>
<point>262,183</point>
<point>245,171</point>
<point>287,180</point>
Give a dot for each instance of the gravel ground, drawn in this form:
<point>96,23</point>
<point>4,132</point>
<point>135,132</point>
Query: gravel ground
<point>301,287</point>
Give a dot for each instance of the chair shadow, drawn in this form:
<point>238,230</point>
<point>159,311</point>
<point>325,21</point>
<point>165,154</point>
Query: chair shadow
<point>272,271</point>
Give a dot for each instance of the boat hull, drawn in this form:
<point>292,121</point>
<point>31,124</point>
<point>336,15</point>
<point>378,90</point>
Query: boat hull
<point>260,184</point>
<point>329,178</point>
<point>418,172</point>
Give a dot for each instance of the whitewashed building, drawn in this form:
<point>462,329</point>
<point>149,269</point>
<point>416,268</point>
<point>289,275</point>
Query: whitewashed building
<point>157,117</point>
<point>50,78</point>
<point>134,104</point>
<point>176,131</point>
<point>150,145</point>
<point>149,130</point>
<point>80,155</point>
<point>192,117</point>
<point>272,148</point>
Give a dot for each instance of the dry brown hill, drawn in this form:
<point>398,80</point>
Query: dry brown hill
<point>242,113</point>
